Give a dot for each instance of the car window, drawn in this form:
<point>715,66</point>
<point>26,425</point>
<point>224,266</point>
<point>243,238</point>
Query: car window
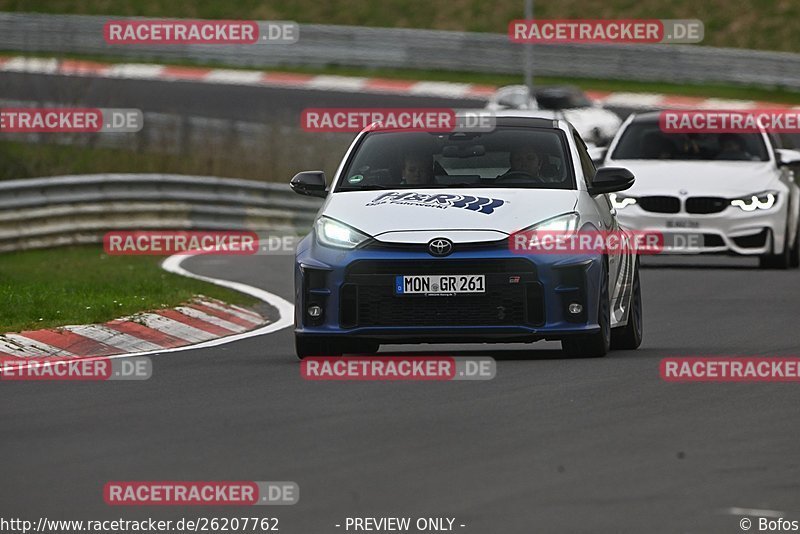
<point>589,170</point>
<point>510,157</point>
<point>645,140</point>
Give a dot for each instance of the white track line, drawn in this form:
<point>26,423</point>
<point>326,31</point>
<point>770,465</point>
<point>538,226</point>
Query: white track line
<point>173,265</point>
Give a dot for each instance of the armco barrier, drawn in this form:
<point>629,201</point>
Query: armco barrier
<point>321,45</point>
<point>44,212</point>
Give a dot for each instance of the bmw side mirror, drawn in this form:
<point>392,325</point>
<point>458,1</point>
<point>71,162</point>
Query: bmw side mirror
<point>611,180</point>
<point>309,183</point>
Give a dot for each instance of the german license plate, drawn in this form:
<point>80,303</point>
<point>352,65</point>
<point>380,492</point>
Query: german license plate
<point>440,284</point>
<point>682,224</point>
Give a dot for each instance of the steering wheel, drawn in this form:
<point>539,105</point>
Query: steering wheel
<point>520,174</point>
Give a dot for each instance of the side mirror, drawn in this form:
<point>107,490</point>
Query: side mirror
<point>309,183</point>
<point>611,180</point>
<point>787,156</point>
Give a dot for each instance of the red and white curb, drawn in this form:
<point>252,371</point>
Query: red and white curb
<point>201,323</point>
<point>350,84</point>
<point>138,71</point>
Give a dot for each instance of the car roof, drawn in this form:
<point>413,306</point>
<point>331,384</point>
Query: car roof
<point>525,118</point>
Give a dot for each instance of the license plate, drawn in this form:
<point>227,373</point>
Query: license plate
<point>683,224</point>
<point>440,284</point>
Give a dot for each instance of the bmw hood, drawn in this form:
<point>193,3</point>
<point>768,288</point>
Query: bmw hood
<point>699,178</point>
<point>461,215</point>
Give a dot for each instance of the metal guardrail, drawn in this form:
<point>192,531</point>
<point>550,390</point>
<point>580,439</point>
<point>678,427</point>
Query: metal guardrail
<point>45,212</point>
<point>321,45</point>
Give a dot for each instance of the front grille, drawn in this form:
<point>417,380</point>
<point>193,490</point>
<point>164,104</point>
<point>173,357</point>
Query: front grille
<point>660,204</point>
<point>369,298</point>
<point>706,204</point>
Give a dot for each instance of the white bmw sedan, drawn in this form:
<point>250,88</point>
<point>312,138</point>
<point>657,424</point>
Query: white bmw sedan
<point>730,193</point>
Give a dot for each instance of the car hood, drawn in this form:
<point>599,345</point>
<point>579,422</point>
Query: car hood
<point>699,178</point>
<point>483,214</point>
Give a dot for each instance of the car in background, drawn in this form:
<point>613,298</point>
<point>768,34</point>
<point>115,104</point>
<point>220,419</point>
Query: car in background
<point>412,244</point>
<point>731,193</point>
<point>595,124</point>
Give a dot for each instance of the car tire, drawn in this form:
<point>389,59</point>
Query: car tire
<point>780,261</point>
<point>629,337</point>
<point>305,346</point>
<point>594,345</point>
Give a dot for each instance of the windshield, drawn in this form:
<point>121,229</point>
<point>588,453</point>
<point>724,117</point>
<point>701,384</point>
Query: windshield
<point>645,140</point>
<point>505,157</point>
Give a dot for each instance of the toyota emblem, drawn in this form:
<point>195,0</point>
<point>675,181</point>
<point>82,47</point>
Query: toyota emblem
<point>440,247</point>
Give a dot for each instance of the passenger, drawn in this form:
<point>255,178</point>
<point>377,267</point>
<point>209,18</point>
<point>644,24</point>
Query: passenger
<point>417,169</point>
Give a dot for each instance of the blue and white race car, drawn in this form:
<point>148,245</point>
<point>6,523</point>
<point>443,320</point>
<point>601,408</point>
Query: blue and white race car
<point>412,244</point>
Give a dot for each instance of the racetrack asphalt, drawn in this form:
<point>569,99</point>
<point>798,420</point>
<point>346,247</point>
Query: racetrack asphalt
<point>549,445</point>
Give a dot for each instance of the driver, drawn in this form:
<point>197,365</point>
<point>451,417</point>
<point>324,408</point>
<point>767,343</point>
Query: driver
<point>525,159</point>
<point>417,169</point>
<point>732,147</point>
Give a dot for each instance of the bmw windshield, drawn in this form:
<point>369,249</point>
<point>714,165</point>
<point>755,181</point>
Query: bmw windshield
<point>645,140</point>
<point>504,158</point>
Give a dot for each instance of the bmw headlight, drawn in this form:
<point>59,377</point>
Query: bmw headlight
<point>758,201</point>
<point>621,201</point>
<point>332,233</point>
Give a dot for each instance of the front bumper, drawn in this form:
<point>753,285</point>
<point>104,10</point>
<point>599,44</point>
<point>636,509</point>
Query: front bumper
<point>731,231</point>
<point>526,297</point>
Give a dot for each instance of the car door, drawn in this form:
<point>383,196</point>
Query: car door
<point>619,265</point>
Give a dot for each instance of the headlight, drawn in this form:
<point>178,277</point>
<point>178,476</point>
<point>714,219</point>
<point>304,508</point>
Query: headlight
<point>338,235</point>
<point>566,225</point>
<point>759,201</point>
<point>621,201</point>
